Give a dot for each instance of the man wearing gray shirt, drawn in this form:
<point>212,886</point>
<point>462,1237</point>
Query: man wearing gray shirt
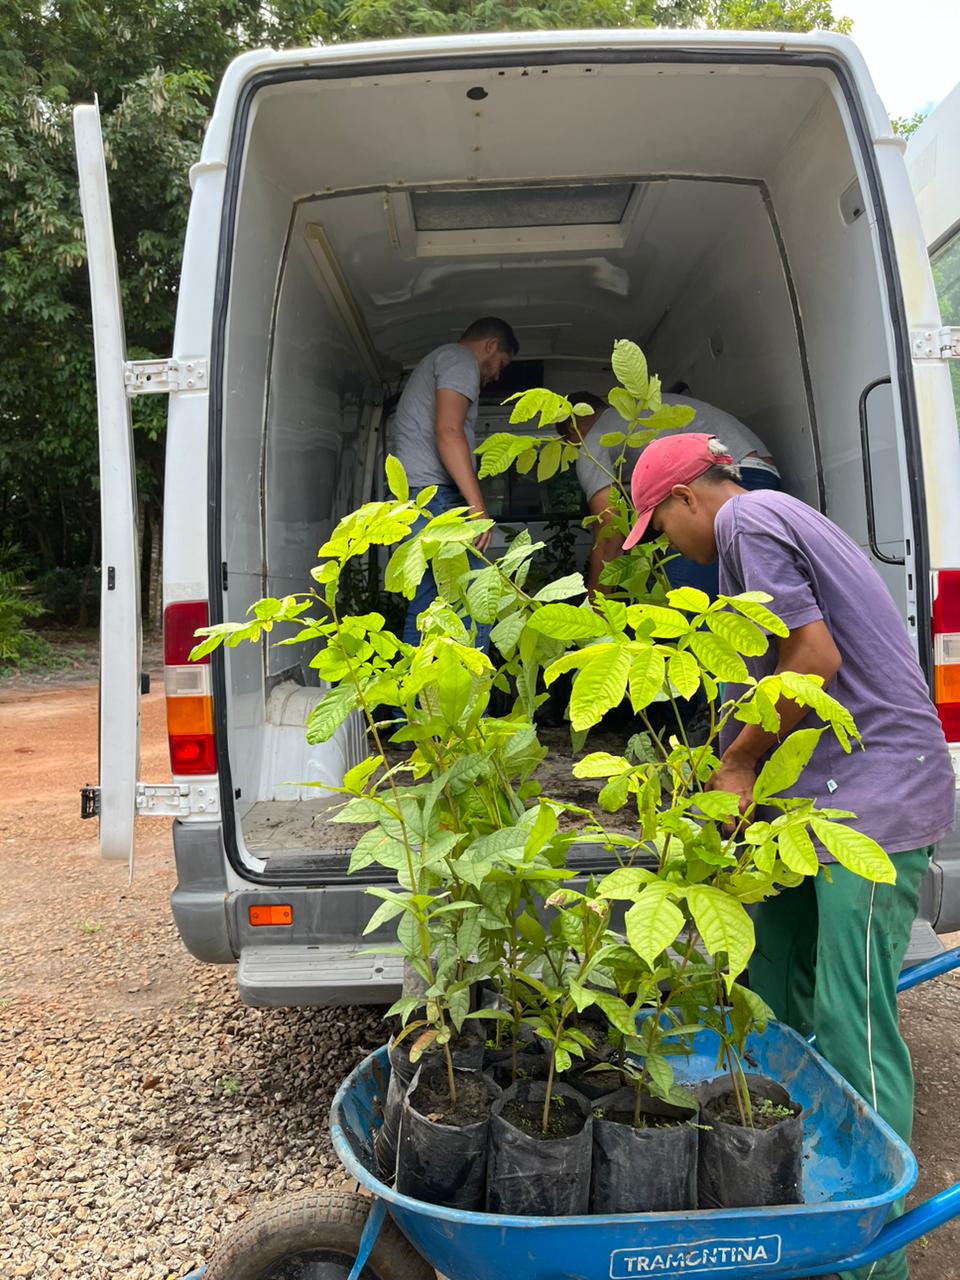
<point>435,437</point>
<point>597,465</point>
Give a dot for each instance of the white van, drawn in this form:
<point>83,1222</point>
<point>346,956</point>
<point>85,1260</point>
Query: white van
<point>736,203</point>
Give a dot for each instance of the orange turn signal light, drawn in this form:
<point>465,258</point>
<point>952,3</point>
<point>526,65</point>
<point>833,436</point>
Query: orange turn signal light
<point>270,915</point>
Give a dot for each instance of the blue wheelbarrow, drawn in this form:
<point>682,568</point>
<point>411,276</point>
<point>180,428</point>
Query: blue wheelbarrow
<point>855,1168</point>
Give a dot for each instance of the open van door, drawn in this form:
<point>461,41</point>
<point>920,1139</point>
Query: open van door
<point>115,799</point>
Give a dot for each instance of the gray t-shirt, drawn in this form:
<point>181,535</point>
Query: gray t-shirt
<point>448,368</point>
<point>595,461</point>
<point>901,786</point>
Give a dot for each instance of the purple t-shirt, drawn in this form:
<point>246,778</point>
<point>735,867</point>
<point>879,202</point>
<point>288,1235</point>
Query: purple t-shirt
<point>902,785</point>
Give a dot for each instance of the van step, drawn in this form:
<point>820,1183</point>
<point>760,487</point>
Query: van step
<point>282,975</point>
<point>924,943</point>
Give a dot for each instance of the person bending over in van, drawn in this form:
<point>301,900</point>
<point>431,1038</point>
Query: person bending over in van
<point>435,438</point>
<point>829,951</point>
<point>595,462</point>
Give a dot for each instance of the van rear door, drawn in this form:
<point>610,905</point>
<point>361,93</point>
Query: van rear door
<point>120,637</point>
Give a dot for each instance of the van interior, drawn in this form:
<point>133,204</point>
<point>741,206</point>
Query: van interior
<point>714,212</point>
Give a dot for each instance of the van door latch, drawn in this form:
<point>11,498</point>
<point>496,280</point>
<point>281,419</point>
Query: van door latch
<point>161,800</point>
<point>146,377</point>
<point>936,344</point>
<point>177,799</point>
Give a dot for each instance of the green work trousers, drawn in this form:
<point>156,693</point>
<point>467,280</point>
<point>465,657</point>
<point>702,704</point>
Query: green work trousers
<point>827,960</point>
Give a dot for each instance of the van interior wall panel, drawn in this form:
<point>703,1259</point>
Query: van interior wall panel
<point>315,404</point>
<point>835,267</point>
<point>262,220</point>
<point>728,329</point>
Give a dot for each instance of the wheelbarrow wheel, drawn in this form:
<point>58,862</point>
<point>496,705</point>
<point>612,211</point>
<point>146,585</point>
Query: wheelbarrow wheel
<point>314,1236</point>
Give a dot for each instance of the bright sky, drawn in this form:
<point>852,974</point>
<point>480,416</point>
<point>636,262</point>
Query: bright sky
<point>912,48</point>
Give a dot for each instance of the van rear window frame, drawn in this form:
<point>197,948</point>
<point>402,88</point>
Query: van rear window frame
<point>457,61</point>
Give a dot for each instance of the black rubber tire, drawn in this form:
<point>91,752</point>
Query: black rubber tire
<point>314,1220</point>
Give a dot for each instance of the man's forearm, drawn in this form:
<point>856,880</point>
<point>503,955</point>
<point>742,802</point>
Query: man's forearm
<point>455,456</point>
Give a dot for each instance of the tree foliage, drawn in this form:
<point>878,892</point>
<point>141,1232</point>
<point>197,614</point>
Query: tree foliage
<point>154,66</point>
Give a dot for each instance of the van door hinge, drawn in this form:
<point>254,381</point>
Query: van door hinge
<point>161,800</point>
<point>936,344</point>
<point>144,377</point>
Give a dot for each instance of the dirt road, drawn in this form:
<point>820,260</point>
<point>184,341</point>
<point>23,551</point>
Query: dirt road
<point>141,1106</point>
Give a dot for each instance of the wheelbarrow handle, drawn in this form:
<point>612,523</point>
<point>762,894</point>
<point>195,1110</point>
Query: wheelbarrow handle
<point>901,1231</point>
<point>918,973</point>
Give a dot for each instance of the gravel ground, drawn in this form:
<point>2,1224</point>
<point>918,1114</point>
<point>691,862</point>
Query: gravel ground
<point>142,1107</point>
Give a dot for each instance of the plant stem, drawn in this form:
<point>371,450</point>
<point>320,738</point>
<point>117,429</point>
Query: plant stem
<point>550,1073</point>
<point>638,1090</point>
<point>451,1080</point>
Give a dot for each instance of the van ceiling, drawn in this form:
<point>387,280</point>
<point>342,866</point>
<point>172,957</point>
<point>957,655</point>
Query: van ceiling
<point>538,193</point>
<point>562,303</point>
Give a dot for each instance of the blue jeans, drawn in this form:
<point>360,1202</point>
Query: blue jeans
<point>446,498</point>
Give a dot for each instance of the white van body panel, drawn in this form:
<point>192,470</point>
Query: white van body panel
<point>933,163</point>
<point>186,479</point>
<point>120,636</point>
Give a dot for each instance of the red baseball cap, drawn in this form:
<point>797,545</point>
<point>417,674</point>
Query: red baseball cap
<point>667,461</point>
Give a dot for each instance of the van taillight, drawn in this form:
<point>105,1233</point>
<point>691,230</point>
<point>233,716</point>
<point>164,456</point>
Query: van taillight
<point>187,686</point>
<point>946,650</point>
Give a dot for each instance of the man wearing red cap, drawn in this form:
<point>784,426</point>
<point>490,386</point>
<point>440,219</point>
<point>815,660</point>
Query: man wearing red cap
<point>828,952</point>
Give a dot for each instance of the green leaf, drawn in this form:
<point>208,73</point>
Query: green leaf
<point>719,658</point>
<point>455,686</point>
<point>397,478</point>
<point>551,407</point>
<point>624,403</point>
<point>784,767</point>
<point>600,764</point>
<point>808,691</point>
<point>723,924</point>
<point>717,804</point>
<point>376,847</point>
<point>355,779</point>
<point>748,1012</point>
<point>506,633</point>
<point>387,909</point>
<point>566,622</point>
<point>330,713</point>
<point>796,851</point>
<point>498,451</point>
<point>619,1014</point>
<point>738,632</point>
<point>689,598</point>
<point>755,611</point>
<point>572,585</point>
<point>625,883</point>
<point>630,367</point>
<point>646,678</point>
<point>855,851</point>
<point>654,921</point>
<point>405,568</point>
<point>483,595</point>
<point>549,460</point>
<point>599,686</point>
<point>660,1073</point>
<point>683,673</point>
<point>669,624</point>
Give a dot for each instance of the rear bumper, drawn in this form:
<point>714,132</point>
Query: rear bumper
<point>320,965</point>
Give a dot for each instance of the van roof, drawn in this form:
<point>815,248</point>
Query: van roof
<point>550,45</point>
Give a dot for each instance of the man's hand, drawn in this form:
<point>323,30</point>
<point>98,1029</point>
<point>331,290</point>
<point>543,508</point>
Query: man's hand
<point>482,541</point>
<point>736,775</point>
